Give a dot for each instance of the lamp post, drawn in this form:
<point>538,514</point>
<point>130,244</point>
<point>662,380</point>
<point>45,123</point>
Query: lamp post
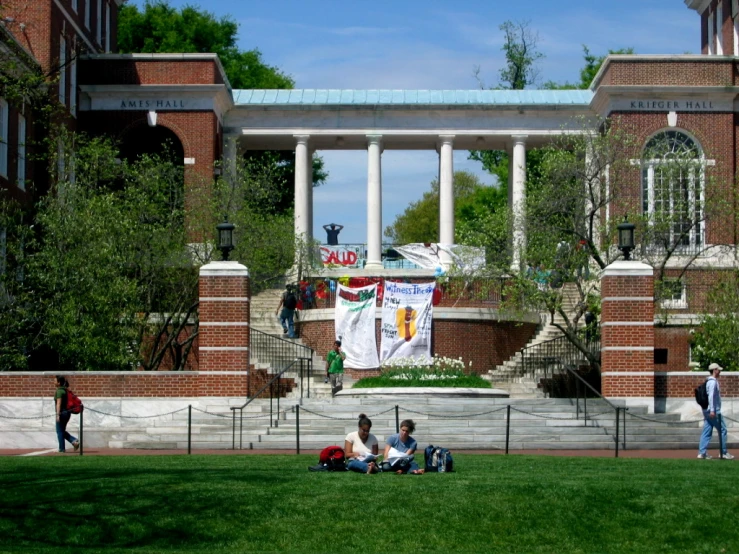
<point>225,238</point>
<point>626,238</point>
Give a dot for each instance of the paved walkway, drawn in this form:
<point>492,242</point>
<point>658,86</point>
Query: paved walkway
<point>673,454</point>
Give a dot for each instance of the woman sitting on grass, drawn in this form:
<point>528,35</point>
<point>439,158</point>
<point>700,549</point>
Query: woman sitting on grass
<point>399,449</point>
<point>361,448</point>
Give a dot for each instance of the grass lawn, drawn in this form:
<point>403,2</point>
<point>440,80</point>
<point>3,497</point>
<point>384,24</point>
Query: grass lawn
<point>272,503</point>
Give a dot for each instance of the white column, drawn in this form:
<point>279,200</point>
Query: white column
<point>374,202</point>
<point>302,181</point>
<point>309,197</point>
<point>230,153</point>
<point>518,200</point>
<point>592,191</point>
<point>446,189</point>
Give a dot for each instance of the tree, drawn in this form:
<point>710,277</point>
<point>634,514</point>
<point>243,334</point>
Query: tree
<point>589,70</point>
<point>420,221</point>
<point>715,339</point>
<point>162,28</point>
<point>584,174</point>
<point>521,52</point>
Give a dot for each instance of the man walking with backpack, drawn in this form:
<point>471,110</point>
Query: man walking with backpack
<point>712,416</point>
<point>288,303</point>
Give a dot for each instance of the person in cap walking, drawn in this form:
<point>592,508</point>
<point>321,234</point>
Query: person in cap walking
<point>712,416</point>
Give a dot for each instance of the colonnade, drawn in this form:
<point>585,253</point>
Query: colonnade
<point>445,147</point>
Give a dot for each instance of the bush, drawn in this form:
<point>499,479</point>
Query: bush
<point>423,372</point>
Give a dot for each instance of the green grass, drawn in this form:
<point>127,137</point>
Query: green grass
<point>272,503</point>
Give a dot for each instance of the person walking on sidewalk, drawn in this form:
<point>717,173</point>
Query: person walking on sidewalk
<point>335,367</point>
<point>712,416</point>
<point>62,415</point>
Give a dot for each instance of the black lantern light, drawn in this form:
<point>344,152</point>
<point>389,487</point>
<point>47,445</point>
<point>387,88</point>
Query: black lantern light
<point>626,238</point>
<point>225,238</point>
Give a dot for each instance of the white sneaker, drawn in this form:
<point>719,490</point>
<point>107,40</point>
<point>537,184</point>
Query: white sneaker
<point>727,456</point>
<point>705,457</point>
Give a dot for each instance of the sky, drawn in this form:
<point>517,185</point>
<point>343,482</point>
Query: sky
<point>430,44</point>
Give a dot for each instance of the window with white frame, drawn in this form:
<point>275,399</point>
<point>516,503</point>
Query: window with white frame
<point>672,293</point>
<point>673,177</point>
<point>107,27</point>
<point>99,22</point>
<point>87,13</point>
<point>711,32</point>
<point>62,71</point>
<point>4,116</point>
<point>74,5</point>
<point>720,28</point>
<point>21,152</point>
<point>73,87</point>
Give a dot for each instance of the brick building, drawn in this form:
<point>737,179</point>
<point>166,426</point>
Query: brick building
<point>144,100</point>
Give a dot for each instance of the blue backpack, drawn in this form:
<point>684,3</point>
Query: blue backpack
<point>438,459</point>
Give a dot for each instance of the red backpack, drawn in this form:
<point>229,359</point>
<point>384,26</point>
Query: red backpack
<point>331,458</point>
<point>74,404</point>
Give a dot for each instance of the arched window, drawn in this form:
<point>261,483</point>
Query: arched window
<point>673,171</point>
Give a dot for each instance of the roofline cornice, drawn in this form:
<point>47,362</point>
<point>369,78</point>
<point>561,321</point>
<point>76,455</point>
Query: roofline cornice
<point>698,5</point>
<point>156,57</point>
<point>642,58</point>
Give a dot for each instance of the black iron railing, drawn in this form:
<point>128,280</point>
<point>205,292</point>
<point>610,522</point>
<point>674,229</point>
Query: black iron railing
<point>550,357</point>
<point>276,388</point>
<point>278,352</point>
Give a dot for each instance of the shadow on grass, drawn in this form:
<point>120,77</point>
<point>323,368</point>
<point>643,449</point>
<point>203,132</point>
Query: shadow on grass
<point>161,502</point>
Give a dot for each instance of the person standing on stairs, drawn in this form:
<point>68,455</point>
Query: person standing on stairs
<point>288,303</point>
<point>335,367</point>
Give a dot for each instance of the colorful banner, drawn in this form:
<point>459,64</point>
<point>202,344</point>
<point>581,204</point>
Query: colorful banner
<point>345,256</point>
<point>406,321</point>
<point>355,325</point>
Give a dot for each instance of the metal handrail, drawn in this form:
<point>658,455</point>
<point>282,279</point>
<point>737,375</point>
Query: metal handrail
<point>269,385</point>
<point>599,395</point>
<point>551,352</point>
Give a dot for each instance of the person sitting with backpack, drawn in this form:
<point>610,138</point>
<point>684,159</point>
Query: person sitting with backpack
<point>63,415</point>
<point>288,303</point>
<point>399,449</point>
<point>361,448</point>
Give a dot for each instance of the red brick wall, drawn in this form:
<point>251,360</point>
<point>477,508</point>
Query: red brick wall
<point>632,72</point>
<point>627,345</point>
<point>485,343</point>
<point>683,386</point>
<point>149,72</point>
<point>216,314</point>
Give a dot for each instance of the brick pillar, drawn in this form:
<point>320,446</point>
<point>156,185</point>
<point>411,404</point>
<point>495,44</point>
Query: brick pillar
<point>224,317</point>
<point>627,330</point>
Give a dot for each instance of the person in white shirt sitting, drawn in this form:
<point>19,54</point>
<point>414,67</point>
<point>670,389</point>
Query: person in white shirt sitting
<point>361,448</point>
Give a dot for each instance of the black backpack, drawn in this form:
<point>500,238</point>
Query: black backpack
<point>438,459</point>
<point>701,395</point>
<point>291,302</point>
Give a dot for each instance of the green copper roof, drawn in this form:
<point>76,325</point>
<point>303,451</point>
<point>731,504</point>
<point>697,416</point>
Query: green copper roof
<point>349,97</point>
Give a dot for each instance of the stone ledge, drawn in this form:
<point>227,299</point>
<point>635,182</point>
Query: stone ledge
<point>441,392</point>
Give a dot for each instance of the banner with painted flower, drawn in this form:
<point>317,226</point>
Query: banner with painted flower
<point>355,314</point>
<point>407,311</point>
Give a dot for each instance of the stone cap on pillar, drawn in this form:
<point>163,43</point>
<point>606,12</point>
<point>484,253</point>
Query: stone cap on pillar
<point>628,268</point>
<point>221,269</point>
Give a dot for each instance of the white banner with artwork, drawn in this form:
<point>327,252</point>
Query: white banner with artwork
<point>355,325</point>
<point>407,311</point>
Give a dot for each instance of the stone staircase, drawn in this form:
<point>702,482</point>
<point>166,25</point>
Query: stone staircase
<point>276,354</point>
<point>511,376</point>
<point>458,423</point>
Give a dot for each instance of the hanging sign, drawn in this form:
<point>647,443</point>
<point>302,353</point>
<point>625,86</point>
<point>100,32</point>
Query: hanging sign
<point>355,325</point>
<point>407,312</point>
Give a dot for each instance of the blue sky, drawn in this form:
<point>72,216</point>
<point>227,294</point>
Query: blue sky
<point>432,45</point>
